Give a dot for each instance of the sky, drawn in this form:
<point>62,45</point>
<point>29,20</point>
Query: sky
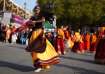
<point>29,3</point>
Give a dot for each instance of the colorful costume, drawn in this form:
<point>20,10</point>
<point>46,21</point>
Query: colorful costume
<point>59,42</point>
<point>87,42</point>
<point>100,48</point>
<point>49,56</point>
<point>93,43</point>
<point>78,43</point>
<point>69,42</point>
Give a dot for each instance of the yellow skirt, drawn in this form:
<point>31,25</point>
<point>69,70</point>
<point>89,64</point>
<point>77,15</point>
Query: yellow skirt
<point>49,56</point>
<point>70,43</point>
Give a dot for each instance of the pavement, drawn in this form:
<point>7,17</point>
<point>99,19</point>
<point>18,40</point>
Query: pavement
<point>15,60</point>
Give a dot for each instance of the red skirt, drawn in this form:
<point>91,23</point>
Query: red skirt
<point>93,47</point>
<point>81,46</point>
<point>86,45</point>
<point>100,51</point>
<point>78,46</point>
<point>59,45</point>
<point>75,47</point>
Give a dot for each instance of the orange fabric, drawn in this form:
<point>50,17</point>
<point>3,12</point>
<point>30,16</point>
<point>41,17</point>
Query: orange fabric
<point>93,43</point>
<point>94,38</point>
<point>60,33</point>
<point>87,42</point>
<point>87,37</point>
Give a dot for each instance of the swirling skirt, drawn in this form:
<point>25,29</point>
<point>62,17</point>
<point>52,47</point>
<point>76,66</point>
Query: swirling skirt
<point>48,57</point>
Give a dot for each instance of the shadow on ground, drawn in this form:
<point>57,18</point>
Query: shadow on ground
<point>22,68</point>
<point>78,59</point>
<point>78,70</point>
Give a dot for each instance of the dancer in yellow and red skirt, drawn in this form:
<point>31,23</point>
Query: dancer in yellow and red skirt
<point>78,43</point>
<point>87,41</point>
<point>59,42</point>
<point>69,43</point>
<point>49,56</point>
<point>93,42</point>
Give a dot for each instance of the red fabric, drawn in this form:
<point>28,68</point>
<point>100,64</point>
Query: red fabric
<point>100,49</point>
<point>59,45</point>
<point>81,46</point>
<point>87,45</point>
<point>87,42</point>
<point>24,26</point>
<point>101,34</point>
<point>67,34</point>
<point>78,46</point>
<point>93,46</point>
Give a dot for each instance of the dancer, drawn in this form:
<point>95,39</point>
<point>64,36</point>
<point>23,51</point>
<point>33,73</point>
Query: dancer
<point>59,43</point>
<point>100,48</point>
<point>41,60</point>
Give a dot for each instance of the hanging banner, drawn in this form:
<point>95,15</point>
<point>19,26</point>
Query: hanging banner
<point>6,18</point>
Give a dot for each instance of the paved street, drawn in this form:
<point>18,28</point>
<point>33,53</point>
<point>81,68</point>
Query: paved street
<point>14,60</point>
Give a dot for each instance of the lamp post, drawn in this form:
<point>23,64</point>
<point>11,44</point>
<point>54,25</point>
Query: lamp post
<point>4,3</point>
<point>25,8</point>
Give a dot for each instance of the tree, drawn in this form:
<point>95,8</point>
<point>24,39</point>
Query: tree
<point>84,12</point>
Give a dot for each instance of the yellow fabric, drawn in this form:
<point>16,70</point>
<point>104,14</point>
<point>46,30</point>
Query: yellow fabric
<point>94,38</point>
<point>60,33</point>
<point>70,43</point>
<point>49,52</point>
<point>103,28</point>
<point>78,36</point>
<point>35,34</point>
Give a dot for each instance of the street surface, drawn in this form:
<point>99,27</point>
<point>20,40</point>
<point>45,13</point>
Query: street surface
<point>15,60</point>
